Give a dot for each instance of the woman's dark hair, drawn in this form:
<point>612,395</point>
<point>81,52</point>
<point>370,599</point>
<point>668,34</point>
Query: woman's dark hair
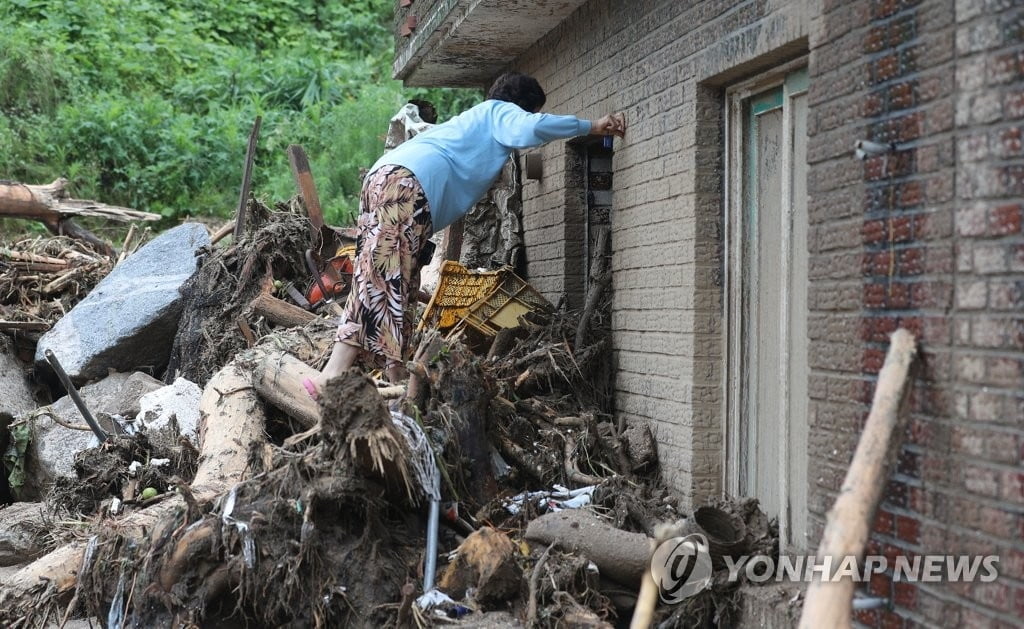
<point>520,89</point>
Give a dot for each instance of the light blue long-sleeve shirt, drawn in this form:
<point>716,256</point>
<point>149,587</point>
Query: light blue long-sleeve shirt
<point>456,162</point>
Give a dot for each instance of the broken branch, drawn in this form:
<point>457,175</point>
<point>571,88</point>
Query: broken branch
<point>830,601</point>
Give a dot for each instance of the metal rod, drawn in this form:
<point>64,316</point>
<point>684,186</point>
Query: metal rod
<point>430,567</point>
<point>77,399</point>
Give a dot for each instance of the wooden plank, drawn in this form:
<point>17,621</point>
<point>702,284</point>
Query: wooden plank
<point>28,326</point>
<point>829,602</point>
<point>304,181</point>
<point>243,195</point>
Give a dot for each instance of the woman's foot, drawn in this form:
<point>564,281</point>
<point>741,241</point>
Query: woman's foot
<point>312,388</point>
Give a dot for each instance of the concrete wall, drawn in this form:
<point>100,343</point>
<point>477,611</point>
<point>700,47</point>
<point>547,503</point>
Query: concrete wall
<point>664,64</point>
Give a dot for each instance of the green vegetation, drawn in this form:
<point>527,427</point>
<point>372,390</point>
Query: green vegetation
<point>149,103</point>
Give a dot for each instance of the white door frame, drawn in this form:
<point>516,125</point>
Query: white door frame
<point>735,426</point>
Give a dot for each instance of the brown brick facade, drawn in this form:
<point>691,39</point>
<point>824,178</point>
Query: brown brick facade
<point>938,227</point>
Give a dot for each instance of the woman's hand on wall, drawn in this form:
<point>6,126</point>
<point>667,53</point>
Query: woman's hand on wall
<point>612,124</point>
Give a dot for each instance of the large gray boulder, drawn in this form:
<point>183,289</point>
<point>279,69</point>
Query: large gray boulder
<point>21,528</point>
<point>129,319</point>
<point>52,449</point>
<point>15,395</point>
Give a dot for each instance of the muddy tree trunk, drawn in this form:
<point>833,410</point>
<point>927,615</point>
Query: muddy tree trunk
<point>465,394</point>
<point>232,419</point>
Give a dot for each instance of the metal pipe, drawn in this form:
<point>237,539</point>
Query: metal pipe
<point>430,567</point>
<point>864,602</point>
<point>77,399</point>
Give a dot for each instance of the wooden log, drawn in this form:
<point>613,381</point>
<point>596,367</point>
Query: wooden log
<point>51,205</point>
<point>280,312</point>
<point>620,555</point>
<point>232,418</point>
<point>829,602</point>
<point>278,378</point>
<point>51,202</point>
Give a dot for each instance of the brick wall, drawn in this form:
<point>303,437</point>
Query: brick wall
<point>665,64</point>
<point>929,238</point>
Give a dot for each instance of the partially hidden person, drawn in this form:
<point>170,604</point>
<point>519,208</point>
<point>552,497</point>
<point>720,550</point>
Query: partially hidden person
<point>425,184</point>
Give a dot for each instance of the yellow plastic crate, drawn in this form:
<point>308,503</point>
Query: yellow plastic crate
<point>457,289</point>
<point>502,307</point>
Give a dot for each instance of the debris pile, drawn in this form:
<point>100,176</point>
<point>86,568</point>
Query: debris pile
<point>496,489</point>
<point>289,511</point>
<point>41,280</point>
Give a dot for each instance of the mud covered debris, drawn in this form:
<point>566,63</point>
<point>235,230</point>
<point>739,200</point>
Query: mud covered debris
<point>295,513</point>
<point>217,299</point>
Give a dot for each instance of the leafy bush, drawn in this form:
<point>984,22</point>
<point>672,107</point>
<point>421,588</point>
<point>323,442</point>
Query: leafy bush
<point>149,104</point>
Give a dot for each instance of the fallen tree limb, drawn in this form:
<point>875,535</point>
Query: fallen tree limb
<point>278,378</point>
<point>280,312</point>
<point>51,205</point>
<point>232,420</point>
<point>620,555</point>
<point>829,602</point>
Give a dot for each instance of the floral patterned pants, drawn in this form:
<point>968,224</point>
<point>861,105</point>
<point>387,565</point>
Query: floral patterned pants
<point>394,225</point>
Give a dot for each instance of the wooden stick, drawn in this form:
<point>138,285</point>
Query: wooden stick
<point>71,229</point>
<point>572,470</point>
<point>829,602</point>
<point>531,614</point>
<point>29,326</point>
<point>220,234</point>
<point>647,599</point>
<point>127,242</point>
<point>453,240</point>
<point>599,280</point>
<point>23,256</point>
<point>247,333</point>
<point>62,280</point>
<point>243,195</point>
<point>279,311</point>
<point>304,181</point>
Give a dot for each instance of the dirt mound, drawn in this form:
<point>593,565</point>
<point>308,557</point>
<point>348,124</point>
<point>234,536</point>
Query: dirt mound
<point>219,294</point>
